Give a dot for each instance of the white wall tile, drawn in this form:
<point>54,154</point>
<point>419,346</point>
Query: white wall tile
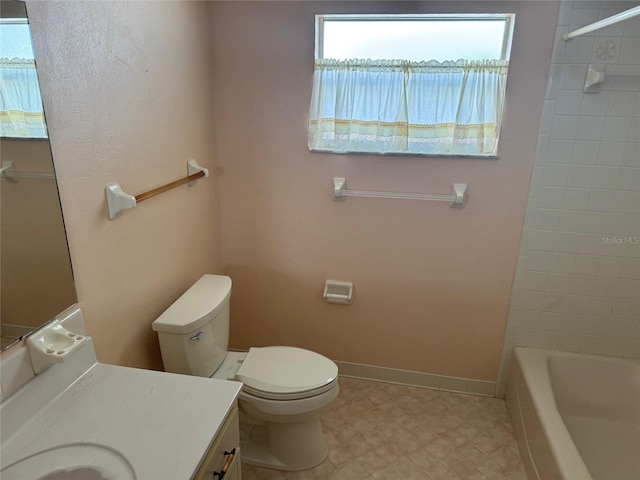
<point>566,242</point>
<point>586,264</point>
<point>606,177</point>
<point>553,82</point>
<point>635,330</point>
<point>600,306</point>
<point>535,281</point>
<point>550,321</point>
<point>616,129</point>
<point>632,155</point>
<point>570,221</point>
<point>582,235</point>
<point>526,337</point>
<point>624,308</point>
<point>559,151</point>
<point>619,327</point>
<point>628,288</point>
<point>633,349</point>
<point>572,77</point>
<point>591,325</point>
<point>579,50</point>
<point>575,198</point>
<point>595,103</point>
<point>585,153</point>
<point>631,269</point>
<point>564,14</point>
<point>634,131</point>
<point>568,342</point>
<point>580,176</point>
<point>589,128</point>
<point>610,266</point>
<point>605,287</point>
<point>581,17</point>
<point>629,179</point>
<point>555,175</point>
<point>541,148</point>
<point>623,224</point>
<point>559,45</point>
<point>569,102</point>
<point>547,339</point>
<point>595,222</point>
<point>612,153</point>
<point>538,261</point>
<point>563,263</point>
<point>546,121</point>
<point>577,305</point>
<point>626,202</point>
<point>630,51</point>
<point>622,104</point>
<point>551,197</point>
<point>591,344</point>
<point>614,347</point>
<point>590,244</point>
<point>601,200</point>
<point>631,27</point>
<point>564,127</point>
<point>615,30</point>
<point>527,318</point>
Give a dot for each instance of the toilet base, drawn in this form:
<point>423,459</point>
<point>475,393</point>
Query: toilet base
<point>282,446</point>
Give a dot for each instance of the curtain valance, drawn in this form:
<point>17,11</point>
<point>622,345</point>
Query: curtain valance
<point>397,106</point>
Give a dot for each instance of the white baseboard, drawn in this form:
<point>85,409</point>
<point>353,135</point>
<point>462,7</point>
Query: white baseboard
<point>417,379</point>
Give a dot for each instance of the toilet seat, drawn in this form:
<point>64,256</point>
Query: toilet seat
<point>286,373</point>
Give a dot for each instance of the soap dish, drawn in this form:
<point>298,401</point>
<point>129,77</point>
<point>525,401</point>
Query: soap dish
<point>52,344</point>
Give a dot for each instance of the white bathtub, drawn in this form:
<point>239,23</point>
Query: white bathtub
<point>576,417</point>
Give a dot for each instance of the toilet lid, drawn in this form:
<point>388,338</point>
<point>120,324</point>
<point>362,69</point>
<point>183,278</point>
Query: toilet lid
<point>285,370</point>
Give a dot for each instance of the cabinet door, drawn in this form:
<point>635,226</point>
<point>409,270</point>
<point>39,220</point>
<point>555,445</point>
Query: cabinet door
<point>224,452</point>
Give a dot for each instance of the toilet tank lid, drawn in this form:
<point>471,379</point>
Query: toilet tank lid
<point>195,307</point>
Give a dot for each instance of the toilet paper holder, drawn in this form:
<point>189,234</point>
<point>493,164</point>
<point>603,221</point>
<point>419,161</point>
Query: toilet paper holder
<point>336,291</point>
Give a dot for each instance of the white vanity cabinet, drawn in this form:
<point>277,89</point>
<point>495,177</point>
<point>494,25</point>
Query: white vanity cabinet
<point>120,422</point>
<point>222,461</point>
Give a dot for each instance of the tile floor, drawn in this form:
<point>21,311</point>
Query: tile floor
<point>382,431</point>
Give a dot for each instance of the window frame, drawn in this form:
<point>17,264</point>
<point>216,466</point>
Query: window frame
<point>507,18</point>
<point>507,37</point>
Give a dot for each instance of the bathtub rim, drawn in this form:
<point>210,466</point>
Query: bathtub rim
<point>536,372</point>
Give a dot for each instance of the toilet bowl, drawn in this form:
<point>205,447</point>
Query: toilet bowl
<point>285,389</point>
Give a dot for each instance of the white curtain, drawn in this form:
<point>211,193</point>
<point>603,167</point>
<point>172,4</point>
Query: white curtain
<point>21,113</point>
<point>395,106</point>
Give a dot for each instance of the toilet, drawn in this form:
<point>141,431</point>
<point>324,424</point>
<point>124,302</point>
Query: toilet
<point>285,389</point>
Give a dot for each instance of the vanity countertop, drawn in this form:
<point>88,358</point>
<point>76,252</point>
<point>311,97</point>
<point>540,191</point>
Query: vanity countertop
<point>162,423</point>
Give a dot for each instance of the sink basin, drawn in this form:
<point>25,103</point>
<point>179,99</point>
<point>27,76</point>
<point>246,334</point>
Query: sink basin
<point>78,461</point>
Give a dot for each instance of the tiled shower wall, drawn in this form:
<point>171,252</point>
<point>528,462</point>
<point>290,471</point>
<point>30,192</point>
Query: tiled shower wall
<point>577,283</point>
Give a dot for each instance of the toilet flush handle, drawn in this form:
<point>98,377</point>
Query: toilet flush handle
<point>197,336</point>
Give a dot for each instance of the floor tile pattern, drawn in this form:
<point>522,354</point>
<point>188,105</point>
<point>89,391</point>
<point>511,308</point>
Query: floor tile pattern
<point>382,431</point>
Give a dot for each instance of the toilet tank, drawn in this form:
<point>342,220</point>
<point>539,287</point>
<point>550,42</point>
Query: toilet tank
<point>194,331</point>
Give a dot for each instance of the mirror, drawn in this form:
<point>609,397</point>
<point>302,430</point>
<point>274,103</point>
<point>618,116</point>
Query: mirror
<point>36,279</point>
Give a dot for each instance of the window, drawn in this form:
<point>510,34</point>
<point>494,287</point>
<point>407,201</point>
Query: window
<point>21,112</point>
<point>409,84</point>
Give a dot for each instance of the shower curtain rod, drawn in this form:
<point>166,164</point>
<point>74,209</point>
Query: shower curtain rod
<point>618,17</point>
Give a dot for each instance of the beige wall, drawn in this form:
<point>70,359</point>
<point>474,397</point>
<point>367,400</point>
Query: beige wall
<point>432,283</point>
<point>127,95</point>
